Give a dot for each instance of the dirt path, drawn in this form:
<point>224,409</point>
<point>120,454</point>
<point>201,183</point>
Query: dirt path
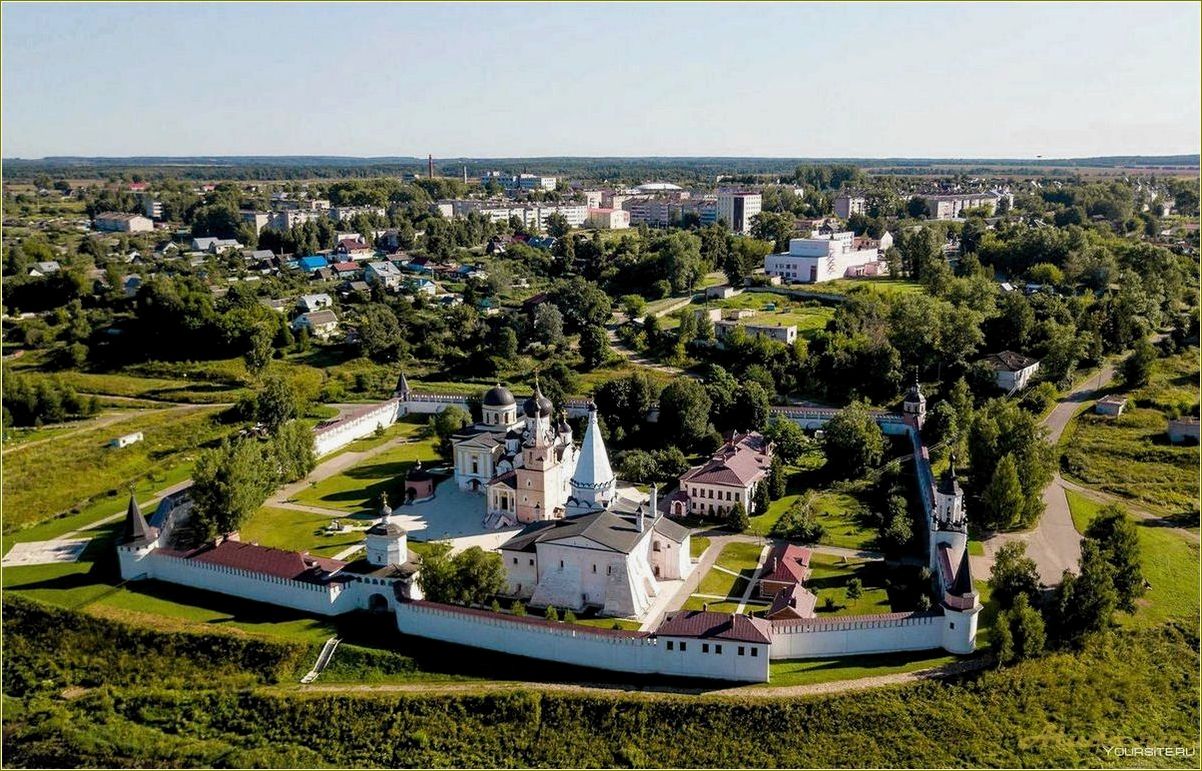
<point>731,692</point>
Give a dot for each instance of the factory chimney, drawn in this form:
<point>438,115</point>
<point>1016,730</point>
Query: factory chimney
<point>430,166</point>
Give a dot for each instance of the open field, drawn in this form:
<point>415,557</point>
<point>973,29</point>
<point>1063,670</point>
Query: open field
<point>66,473</point>
<point>1170,564</point>
<point>1130,456</point>
<point>742,558</point>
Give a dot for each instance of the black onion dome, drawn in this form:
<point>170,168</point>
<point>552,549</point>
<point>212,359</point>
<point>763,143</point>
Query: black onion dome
<point>498,396</point>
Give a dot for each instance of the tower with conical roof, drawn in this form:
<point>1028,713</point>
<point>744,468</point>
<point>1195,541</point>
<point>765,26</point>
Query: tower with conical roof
<point>136,541</point>
<point>593,485</point>
<point>135,527</point>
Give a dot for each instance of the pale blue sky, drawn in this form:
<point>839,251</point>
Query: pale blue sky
<point>814,80</point>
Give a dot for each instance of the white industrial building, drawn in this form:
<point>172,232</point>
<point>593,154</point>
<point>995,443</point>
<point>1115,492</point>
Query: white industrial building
<point>824,257</point>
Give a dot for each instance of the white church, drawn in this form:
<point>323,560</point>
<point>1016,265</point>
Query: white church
<point>589,542</point>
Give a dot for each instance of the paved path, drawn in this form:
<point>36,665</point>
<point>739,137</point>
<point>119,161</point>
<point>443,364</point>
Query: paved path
<point>755,577</point>
<point>1103,497</point>
<point>1054,544</point>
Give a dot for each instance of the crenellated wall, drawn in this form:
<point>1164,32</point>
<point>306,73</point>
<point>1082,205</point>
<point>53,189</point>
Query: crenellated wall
<point>613,650</point>
<point>851,635</point>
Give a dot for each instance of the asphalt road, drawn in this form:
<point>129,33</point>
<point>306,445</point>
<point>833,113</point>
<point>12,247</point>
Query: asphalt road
<point>1054,544</point>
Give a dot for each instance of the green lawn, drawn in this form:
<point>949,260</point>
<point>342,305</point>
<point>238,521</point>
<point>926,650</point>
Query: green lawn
<point>742,558</point>
<point>357,490</point>
<point>716,606</point>
<point>296,531</point>
<point>1130,456</point>
<point>155,388</point>
<point>845,285</point>
<point>698,545</point>
<point>67,473</point>
<point>773,308</point>
<point>1170,564</point>
<point>840,508</point>
<point>809,671</point>
<point>829,577</point>
<point>608,623</point>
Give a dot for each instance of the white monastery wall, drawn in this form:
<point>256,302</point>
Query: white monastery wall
<point>576,645</point>
<point>831,637</point>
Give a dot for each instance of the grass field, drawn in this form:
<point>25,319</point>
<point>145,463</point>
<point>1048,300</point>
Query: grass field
<point>1130,456</point>
<point>809,671</point>
<point>829,577</point>
<point>697,545</point>
<point>841,506</point>
<point>742,558</point>
<point>845,285</point>
<point>358,489</point>
<point>69,472</point>
<point>297,531</point>
<point>1170,564</point>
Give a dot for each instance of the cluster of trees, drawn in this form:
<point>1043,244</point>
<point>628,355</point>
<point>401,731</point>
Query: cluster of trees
<point>1109,579</point>
<point>33,402</point>
<point>471,577</point>
<point>232,480</point>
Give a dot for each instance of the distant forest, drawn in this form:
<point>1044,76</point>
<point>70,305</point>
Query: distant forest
<point>615,169</point>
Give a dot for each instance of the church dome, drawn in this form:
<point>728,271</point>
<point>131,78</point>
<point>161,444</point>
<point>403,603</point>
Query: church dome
<point>498,396</point>
<point>417,474</point>
<point>538,406</point>
<point>382,528</point>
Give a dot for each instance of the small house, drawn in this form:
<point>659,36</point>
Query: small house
<point>321,324</point>
<point>314,302</point>
<point>1013,371</point>
<point>127,440</point>
<point>1113,404</point>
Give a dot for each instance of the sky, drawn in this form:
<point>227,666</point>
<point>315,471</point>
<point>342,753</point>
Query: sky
<point>607,79</point>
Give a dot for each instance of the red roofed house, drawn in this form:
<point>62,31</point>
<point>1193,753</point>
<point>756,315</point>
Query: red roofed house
<point>350,249</point>
<point>792,602</point>
<point>728,644</point>
<point>727,478</point>
<point>787,565</point>
<point>347,270</point>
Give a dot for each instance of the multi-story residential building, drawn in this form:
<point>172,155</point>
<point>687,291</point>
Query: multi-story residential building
<point>594,199</point>
<point>256,219</point>
<point>847,204</point>
<point>344,213</point>
<point>519,181</point>
<point>151,207</point>
<point>736,209</point>
<point>946,207</point>
<point>118,222</point>
<point>608,219</point>
<point>824,257</point>
<point>289,218</point>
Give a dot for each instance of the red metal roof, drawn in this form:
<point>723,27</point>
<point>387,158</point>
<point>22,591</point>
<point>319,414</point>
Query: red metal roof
<point>788,563</point>
<point>263,559</point>
<point>719,626</point>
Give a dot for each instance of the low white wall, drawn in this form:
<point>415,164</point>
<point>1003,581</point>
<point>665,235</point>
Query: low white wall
<point>327,439</point>
<point>577,645</point>
<point>325,600</point>
<point>830,637</point>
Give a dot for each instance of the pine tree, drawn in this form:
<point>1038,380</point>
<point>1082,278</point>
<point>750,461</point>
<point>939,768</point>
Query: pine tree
<point>1118,539</point>
<point>736,518</point>
<point>1002,498</point>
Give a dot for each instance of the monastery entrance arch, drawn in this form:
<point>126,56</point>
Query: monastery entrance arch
<point>377,603</point>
